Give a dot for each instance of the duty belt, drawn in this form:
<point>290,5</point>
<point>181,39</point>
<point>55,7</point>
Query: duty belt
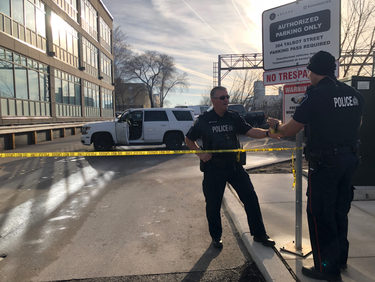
<point>339,150</point>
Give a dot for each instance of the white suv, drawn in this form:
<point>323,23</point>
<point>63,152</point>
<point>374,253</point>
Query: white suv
<point>154,126</point>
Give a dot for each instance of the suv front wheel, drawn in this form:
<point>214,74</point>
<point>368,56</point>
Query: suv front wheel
<point>103,142</point>
<point>173,141</point>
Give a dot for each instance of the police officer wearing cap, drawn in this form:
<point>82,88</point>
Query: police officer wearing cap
<point>219,129</point>
<point>331,113</point>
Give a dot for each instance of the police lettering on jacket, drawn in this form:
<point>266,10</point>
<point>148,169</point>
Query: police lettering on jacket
<point>347,101</point>
<point>222,128</point>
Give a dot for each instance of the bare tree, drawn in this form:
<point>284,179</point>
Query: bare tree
<point>157,72</point>
<point>169,80</point>
<point>122,52</point>
<point>121,55</point>
<point>358,36</point>
<point>242,89</point>
<point>206,100</point>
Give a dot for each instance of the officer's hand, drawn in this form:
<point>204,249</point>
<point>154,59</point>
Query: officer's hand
<point>272,122</point>
<point>205,156</point>
<point>275,135</point>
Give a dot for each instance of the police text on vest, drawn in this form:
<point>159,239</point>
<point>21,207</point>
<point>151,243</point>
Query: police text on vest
<point>222,128</point>
<point>348,101</point>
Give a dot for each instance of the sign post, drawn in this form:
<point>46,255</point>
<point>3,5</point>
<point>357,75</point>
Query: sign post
<point>293,94</point>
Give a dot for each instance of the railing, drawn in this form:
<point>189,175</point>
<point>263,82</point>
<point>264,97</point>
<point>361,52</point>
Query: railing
<point>24,135</point>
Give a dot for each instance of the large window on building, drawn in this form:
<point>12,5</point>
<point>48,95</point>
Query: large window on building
<point>5,7</point>
<point>89,18</point>
<point>24,20</point>
<point>67,94</point>
<point>67,88</point>
<point>107,102</point>
<point>90,56</point>
<point>91,93</point>
<point>24,85</point>
<point>106,68</point>
<point>6,74</point>
<point>65,41</point>
<point>105,35</point>
<point>107,98</point>
<point>69,7</point>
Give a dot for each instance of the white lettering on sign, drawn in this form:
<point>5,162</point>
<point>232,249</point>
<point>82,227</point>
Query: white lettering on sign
<point>296,89</point>
<point>298,22</point>
<point>343,101</point>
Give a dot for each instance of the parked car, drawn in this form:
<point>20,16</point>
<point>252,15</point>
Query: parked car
<point>142,126</point>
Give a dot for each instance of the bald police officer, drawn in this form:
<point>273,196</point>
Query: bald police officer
<point>219,129</point>
<point>331,113</point>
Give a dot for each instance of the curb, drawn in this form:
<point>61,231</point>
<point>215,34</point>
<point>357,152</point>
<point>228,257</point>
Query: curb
<point>265,258</point>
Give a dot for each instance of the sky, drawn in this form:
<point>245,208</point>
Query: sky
<point>194,33</point>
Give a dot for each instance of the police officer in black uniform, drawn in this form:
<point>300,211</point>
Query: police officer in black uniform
<point>331,113</point>
<point>219,129</point>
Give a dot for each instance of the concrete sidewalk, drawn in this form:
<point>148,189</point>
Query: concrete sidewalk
<point>277,201</point>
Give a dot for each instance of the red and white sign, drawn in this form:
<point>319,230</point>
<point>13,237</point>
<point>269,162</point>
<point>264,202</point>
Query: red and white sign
<point>289,75</point>
<point>293,94</point>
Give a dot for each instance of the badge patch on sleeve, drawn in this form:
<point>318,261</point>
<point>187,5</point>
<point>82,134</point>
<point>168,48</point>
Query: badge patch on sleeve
<point>304,98</point>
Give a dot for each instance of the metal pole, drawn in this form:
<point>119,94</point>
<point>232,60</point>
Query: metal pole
<point>219,71</point>
<point>298,244</point>
<point>373,63</point>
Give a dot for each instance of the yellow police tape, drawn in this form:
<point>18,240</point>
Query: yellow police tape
<point>137,153</point>
<point>132,153</point>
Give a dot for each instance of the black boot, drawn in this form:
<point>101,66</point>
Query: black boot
<point>315,274</point>
<point>265,240</point>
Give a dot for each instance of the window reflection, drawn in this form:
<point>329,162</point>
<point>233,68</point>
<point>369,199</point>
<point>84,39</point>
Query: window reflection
<point>91,92</point>
<point>58,90</point>
<point>17,11</point>
<point>66,87</point>
<point>43,84</point>
<point>30,16</point>
<point>105,35</point>
<point>6,79</point>
<point>41,23</point>
<point>65,37</point>
<point>89,18</point>
<point>33,85</point>
<point>5,7</point>
<point>21,82</point>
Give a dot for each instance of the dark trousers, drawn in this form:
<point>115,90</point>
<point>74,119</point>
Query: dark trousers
<point>329,196</point>
<point>214,183</point>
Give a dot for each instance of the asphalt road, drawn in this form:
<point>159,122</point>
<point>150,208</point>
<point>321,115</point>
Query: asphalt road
<point>133,218</point>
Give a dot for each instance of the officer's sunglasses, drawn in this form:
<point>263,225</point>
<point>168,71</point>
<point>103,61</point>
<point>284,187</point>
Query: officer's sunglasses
<point>223,97</point>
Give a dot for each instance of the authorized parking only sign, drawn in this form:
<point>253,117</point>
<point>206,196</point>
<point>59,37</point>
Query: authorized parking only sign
<point>293,33</point>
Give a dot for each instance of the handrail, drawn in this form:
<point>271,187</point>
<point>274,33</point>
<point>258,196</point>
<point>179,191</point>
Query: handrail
<point>37,127</point>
